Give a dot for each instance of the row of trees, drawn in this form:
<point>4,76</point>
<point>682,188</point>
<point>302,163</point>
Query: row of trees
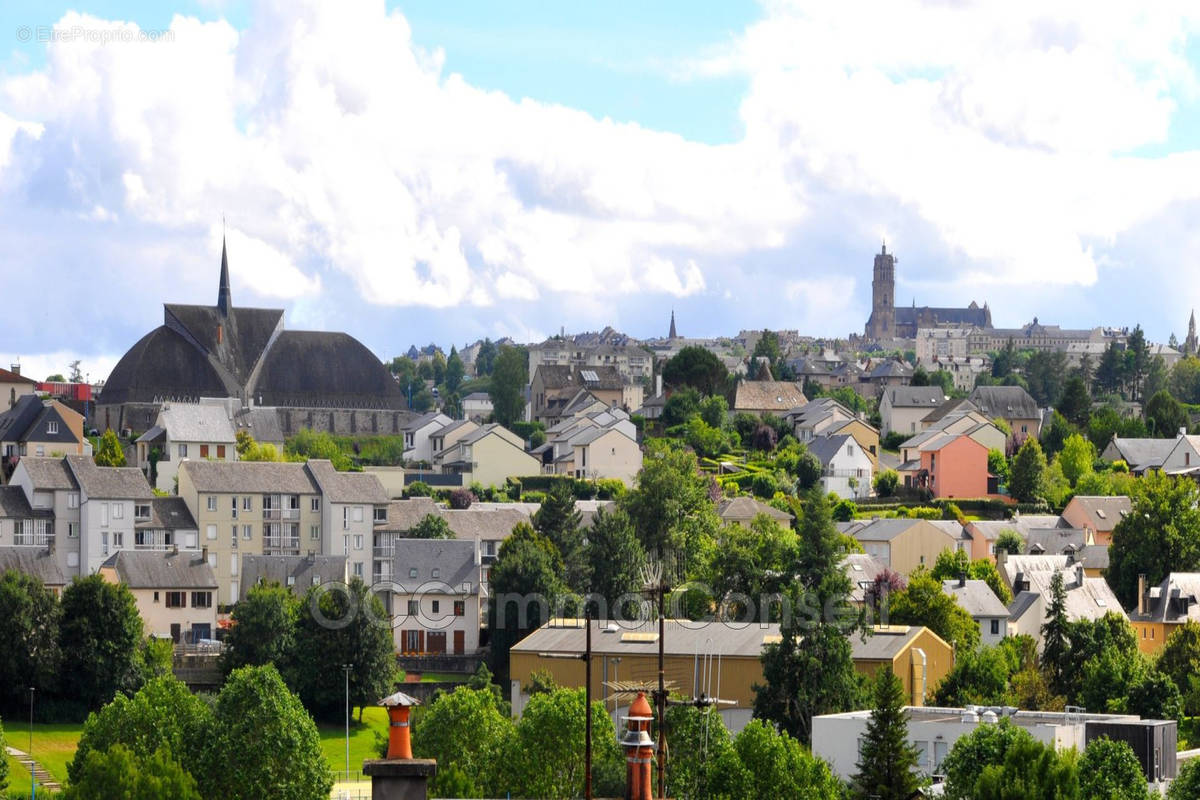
<point>253,740</point>
<point>77,651</point>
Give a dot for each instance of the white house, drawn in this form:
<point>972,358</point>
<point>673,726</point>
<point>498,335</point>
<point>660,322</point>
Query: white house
<point>477,406</point>
<point>846,467</point>
<point>417,435</point>
<point>978,600</point>
<point>185,431</point>
<point>437,595</point>
<point>901,408</point>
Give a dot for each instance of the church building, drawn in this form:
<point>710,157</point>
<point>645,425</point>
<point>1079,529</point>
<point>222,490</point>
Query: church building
<point>888,321</point>
<point>316,379</point>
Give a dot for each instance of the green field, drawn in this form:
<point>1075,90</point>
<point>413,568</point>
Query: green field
<point>362,739</point>
<point>53,748</point>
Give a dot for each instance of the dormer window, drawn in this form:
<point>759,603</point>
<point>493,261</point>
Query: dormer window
<point>412,572</point>
<point>51,428</point>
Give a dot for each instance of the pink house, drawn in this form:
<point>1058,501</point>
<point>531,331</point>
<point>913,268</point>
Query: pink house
<point>954,465</point>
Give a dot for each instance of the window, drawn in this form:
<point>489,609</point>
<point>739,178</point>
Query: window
<point>247,532</point>
<point>72,499</point>
<point>314,504</point>
<point>41,451</point>
<point>437,606</point>
<point>436,572</point>
<point>118,539</point>
<point>358,541</point>
<point>156,597</point>
<point>294,502</point>
<point>412,572</point>
<point>233,537</point>
<point>212,503</point>
<point>316,580</point>
<point>233,563</point>
<point>381,515</point>
<point>358,569</point>
<point>291,581</point>
<point>176,599</point>
<point>210,531</point>
<point>52,427</point>
<point>104,543</point>
<point>221,452</point>
<point>314,532</point>
<point>995,627</point>
<point>71,531</point>
<point>414,608</point>
<point>204,451</point>
<point>345,517</point>
<point>201,599</point>
<point>358,513</point>
<point>118,510</point>
<point>247,504</point>
<point>141,512</point>
<point>183,454</point>
<point>233,506</point>
<point>460,608</point>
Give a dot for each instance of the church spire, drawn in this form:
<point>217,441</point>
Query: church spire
<point>224,297</point>
<point>1190,343</point>
<point>672,334</point>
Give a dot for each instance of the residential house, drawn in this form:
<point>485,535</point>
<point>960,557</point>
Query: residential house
<point>1011,404</point>
<point>846,468</point>
<point>917,656</point>
<point>353,505</point>
<point>170,526</point>
<point>487,526</point>
<point>52,522</point>
<point>862,570</point>
<point>902,545</point>
<point>934,344</point>
<point>36,561</point>
<point>806,370</point>
<point>183,431</point>
<point>824,416</point>
<point>964,371</point>
<point>767,397</point>
<point>437,596</point>
<point>984,533</point>
<point>112,501</point>
<point>884,376</point>
<point>1030,577</point>
<point>488,456</point>
<point>954,465</point>
<point>298,573</point>
<point>554,386</point>
<point>968,424</point>
<point>262,424</point>
<point>902,408</point>
<point>477,406</point>
<point>1139,454</point>
<point>1097,515</point>
<point>37,427</point>
<point>450,434</point>
<point>607,453</point>
<point>1163,608</point>
<point>977,599</point>
<point>1184,457</point>
<point>417,435</point>
<point>175,592</point>
<point>604,349</point>
<point>14,385</point>
<point>743,509</point>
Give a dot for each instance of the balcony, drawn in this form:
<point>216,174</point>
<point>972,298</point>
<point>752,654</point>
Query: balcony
<point>383,551</point>
<point>33,539</point>
<point>281,543</point>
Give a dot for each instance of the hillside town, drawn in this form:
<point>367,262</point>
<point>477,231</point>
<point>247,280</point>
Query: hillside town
<point>762,547</point>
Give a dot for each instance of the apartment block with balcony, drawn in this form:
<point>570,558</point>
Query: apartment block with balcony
<point>353,506</point>
<point>52,495</point>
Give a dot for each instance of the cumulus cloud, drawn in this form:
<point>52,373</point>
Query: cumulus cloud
<point>996,143</point>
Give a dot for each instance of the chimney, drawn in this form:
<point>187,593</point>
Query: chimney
<point>1079,574</point>
<point>399,776</point>
<point>962,579</point>
<point>204,553</point>
<point>1141,606</point>
<point>15,369</point>
<point>1182,432</point>
<point>639,750</point>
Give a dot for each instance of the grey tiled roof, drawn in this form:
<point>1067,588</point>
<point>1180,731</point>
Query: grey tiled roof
<point>169,513</point>
<point>302,569</point>
<point>744,507</point>
<point>234,477</point>
<point>197,422</point>
<point>915,396</point>
<point>33,561</point>
<point>976,598</point>
<point>403,515</point>
<point>1142,453</point>
<point>126,483</point>
<point>826,447</point>
<point>14,504</point>
<point>346,487</point>
<point>49,473</point>
<point>149,569</point>
<point>492,524</point>
<point>421,562</point>
<point>1103,512</point>
<point>1011,402</point>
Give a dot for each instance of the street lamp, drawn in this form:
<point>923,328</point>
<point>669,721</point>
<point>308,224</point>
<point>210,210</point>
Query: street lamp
<point>347,668</point>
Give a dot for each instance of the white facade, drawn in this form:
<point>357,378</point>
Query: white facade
<point>417,440</point>
<point>849,472</point>
<point>609,454</point>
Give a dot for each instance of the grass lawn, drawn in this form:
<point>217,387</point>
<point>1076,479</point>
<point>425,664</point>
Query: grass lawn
<point>53,747</point>
<point>442,677</point>
<point>362,739</point>
<point>18,777</point>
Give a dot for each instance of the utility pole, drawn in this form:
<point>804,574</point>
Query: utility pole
<point>587,703</point>
<point>32,777</point>
<point>347,668</point>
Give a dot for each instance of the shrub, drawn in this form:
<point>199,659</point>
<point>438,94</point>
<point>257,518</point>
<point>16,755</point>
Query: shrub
<point>462,498</point>
<point>886,482</point>
<point>418,489</point>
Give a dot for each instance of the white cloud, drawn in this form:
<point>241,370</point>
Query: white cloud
<point>40,366</point>
<point>263,268</point>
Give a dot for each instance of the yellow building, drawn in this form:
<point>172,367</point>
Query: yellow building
<point>718,659</point>
<point>1162,609</point>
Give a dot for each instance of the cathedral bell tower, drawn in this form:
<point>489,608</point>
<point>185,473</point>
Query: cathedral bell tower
<point>882,323</point>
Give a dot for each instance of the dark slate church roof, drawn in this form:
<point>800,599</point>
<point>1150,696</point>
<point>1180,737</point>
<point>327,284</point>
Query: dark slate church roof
<point>227,351</point>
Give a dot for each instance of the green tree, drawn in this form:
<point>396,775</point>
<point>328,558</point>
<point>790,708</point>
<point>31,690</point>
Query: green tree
<point>1165,417</point>
<point>469,733</point>
<point>100,638</point>
<point>1076,404</point>
<point>119,773</point>
<point>1179,660</point>
<point>455,371</point>
<point>670,507</point>
<point>752,561</point>
<point>1110,373</point>
<point>1155,696</point>
<point>438,365</point>
<point>979,677</point>
<point>431,526</point>
<point>526,583</point>
<point>1028,481</point>
<point>886,482</point>
<point>1157,377</point>
<point>698,368</point>
<point>1009,541</point>
<point>262,743</point>
<point>485,359</point>
<point>951,564</point>
<point>923,602</point>
<point>1186,785</point>
<point>1076,458</point>
<point>509,376</point>
<point>774,764</point>
<point>714,411</point>
<point>998,466</point>
<point>615,557</point>
<point>680,407</point>
<point>1056,643</point>
<point>338,627</point>
<point>1184,382</point>
<point>701,749</point>
<point>545,758</point>
<point>29,615</point>
<point>110,452</point>
<point>987,744</point>
<point>886,762</point>
<point>162,714</point>
<point>1161,533</point>
<point>1054,435</point>
<point>559,521</point>
<point>1030,769</point>
<point>263,630</point>
<point>3,762</point>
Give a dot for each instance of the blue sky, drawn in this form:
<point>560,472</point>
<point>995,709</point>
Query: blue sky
<point>432,171</point>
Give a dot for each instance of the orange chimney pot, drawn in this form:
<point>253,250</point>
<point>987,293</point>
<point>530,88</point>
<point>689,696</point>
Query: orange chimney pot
<point>399,706</point>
